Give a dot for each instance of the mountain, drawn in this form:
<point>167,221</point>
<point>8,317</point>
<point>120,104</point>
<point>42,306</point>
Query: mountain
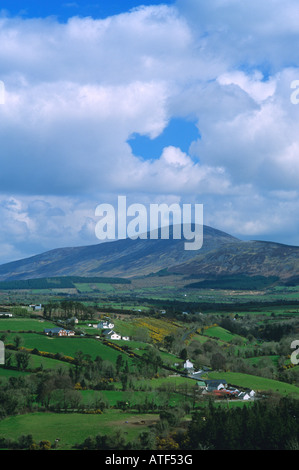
<point>221,254</point>
<point>251,258</point>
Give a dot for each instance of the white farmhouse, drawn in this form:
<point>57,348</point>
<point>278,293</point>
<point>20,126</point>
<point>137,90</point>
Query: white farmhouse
<point>188,365</point>
<point>111,335</point>
<point>105,325</point>
<point>249,395</point>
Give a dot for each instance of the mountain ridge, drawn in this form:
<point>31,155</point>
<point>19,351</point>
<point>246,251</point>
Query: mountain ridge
<point>221,254</point>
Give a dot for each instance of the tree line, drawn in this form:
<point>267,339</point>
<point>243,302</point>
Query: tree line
<point>264,425</point>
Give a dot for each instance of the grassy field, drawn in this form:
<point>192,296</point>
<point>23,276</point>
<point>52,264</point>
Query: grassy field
<point>256,383</point>
<point>6,373</point>
<point>258,359</point>
<point>145,330</point>
<point>37,361</point>
<point>24,324</point>
<point>220,333</point>
<point>114,396</point>
<point>72,428</point>
<point>68,346</point>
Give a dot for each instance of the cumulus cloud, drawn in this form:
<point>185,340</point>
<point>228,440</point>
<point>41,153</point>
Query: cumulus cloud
<point>77,91</point>
<point>31,224</point>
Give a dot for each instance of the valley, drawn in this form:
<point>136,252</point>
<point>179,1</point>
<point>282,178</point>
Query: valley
<point>135,393</point>
<point>138,345</point>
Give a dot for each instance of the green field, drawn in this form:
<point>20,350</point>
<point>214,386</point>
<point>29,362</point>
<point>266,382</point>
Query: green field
<point>73,428</point>
<point>67,346</point>
<point>220,333</point>
<point>236,342</point>
<point>24,324</point>
<point>115,396</point>
<point>6,373</point>
<point>256,383</point>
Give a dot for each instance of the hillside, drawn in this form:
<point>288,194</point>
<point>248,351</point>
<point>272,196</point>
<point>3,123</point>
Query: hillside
<point>251,258</point>
<point>221,254</point>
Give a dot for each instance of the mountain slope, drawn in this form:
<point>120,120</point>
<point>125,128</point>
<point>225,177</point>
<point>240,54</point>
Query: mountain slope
<point>250,258</point>
<point>221,254</point>
<point>123,258</point>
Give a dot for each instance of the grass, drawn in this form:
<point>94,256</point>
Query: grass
<point>221,333</point>
<point>24,324</point>
<point>72,428</point>
<point>256,383</point>
<point>259,359</point>
<point>172,381</point>
<point>6,373</point>
<point>68,346</point>
<point>134,397</point>
<point>46,362</point>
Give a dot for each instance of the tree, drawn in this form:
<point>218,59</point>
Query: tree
<point>168,342</point>
<point>22,358</point>
<point>142,334</point>
<point>17,341</point>
<point>183,354</point>
<point>173,417</point>
<point>48,309</point>
<point>100,402</point>
<point>45,445</point>
<point>73,399</point>
<point>152,358</point>
<point>147,440</point>
<point>124,382</point>
<point>25,441</point>
<point>119,363</point>
<point>218,361</point>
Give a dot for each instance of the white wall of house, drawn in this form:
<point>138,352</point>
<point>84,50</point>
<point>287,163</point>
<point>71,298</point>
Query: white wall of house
<point>115,336</point>
<point>188,365</point>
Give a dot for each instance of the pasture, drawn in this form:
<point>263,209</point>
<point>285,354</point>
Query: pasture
<point>73,428</point>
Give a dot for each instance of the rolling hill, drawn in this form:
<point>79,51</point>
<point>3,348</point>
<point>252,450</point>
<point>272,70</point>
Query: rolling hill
<point>220,255</point>
<point>251,258</point>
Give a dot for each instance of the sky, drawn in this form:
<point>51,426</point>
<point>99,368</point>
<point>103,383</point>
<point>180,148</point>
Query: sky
<point>185,101</point>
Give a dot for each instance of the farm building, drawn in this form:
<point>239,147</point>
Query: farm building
<point>212,385</point>
<point>201,384</point>
<point>35,307</point>
<point>58,332</point>
<point>220,389</point>
<point>73,320</point>
<point>111,335</point>
<point>105,325</point>
<point>188,365</point>
<point>248,395</point>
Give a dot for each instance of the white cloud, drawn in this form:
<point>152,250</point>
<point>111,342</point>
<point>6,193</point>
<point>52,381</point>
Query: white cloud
<point>247,34</point>
<point>257,144</point>
<point>254,86</point>
<point>76,92</point>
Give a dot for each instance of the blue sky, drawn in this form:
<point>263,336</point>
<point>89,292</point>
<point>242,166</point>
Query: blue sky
<point>179,133</point>
<point>64,10</point>
<point>153,101</point>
